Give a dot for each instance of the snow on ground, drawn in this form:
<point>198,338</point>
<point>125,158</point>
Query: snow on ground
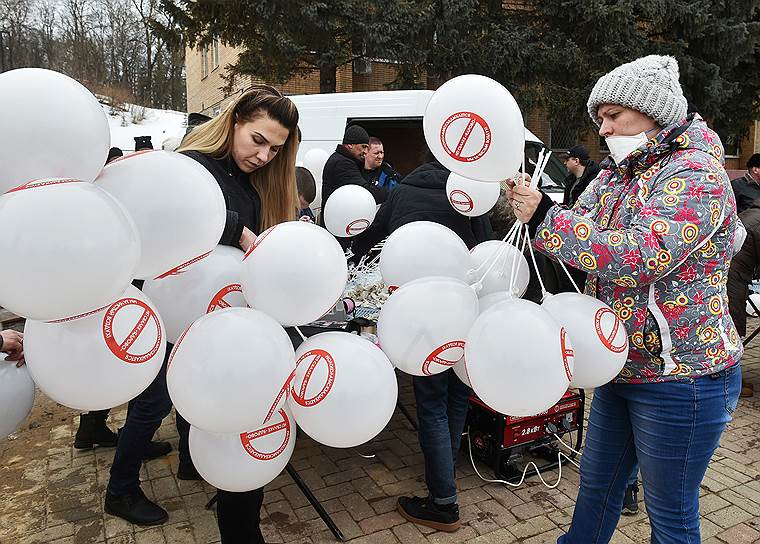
<point>158,124</point>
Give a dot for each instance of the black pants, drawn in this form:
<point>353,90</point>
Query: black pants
<point>239,516</point>
<point>144,416</point>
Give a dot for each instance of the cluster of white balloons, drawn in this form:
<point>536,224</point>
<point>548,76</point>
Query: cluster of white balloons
<point>451,308</point>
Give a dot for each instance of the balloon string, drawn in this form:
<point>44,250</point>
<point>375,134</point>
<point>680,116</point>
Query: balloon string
<point>569,276</point>
<point>544,293</point>
<point>300,333</point>
<point>543,160</point>
<point>515,263</point>
<point>496,255</point>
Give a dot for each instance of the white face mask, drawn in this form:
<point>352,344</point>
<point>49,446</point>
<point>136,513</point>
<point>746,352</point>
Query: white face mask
<point>622,146</point>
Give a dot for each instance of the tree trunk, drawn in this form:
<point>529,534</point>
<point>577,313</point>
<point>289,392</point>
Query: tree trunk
<point>327,78</point>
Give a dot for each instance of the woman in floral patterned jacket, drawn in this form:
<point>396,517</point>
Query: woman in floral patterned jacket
<point>654,231</point>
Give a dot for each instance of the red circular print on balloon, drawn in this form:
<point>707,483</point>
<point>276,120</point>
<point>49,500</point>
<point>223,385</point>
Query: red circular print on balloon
<point>247,439</point>
<point>607,338</point>
<point>357,227</point>
<point>454,351</point>
<point>475,123</point>
<point>461,201</point>
<point>177,270</point>
<point>315,357</point>
<point>120,348</point>
<point>218,302</point>
<point>42,183</point>
<point>257,242</point>
<point>567,353</point>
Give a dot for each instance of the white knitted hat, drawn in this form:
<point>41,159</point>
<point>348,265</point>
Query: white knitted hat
<point>649,85</point>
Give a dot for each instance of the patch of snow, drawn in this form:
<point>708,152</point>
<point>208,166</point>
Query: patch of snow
<point>160,125</point>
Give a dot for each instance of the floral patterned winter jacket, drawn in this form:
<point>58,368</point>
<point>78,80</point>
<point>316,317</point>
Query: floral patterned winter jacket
<point>655,235</point>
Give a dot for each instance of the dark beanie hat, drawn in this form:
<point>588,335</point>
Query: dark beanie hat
<point>355,135</point>
<point>114,153</point>
<point>143,142</point>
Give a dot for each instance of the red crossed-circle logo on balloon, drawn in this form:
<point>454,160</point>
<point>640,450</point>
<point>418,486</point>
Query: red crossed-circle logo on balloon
<point>177,270</point>
<point>218,302</point>
<point>567,353</point>
<point>460,128</point>
<point>315,358</point>
<point>121,316</point>
<point>257,242</point>
<point>248,439</point>
<point>446,355</point>
<point>461,201</point>
<point>609,330</point>
<point>357,227</point>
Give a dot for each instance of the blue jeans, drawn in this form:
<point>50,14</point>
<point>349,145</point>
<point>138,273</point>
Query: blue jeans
<point>672,428</point>
<point>442,403</point>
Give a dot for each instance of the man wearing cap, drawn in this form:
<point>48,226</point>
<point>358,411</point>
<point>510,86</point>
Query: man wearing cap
<point>344,167</point>
<point>582,171</point>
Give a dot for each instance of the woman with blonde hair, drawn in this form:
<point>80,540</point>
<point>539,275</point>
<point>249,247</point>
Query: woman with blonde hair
<point>250,149</point>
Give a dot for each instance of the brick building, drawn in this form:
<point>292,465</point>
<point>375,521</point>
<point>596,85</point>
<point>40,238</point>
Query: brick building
<point>205,68</point>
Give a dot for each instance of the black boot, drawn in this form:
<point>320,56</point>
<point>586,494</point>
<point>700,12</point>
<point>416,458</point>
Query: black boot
<point>93,431</point>
<point>187,471</point>
<point>136,508</point>
<point>631,500</point>
<point>424,511</point>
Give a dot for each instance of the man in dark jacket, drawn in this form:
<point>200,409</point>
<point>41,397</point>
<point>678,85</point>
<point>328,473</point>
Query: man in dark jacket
<point>747,188</point>
<point>421,196</point>
<point>344,167</point>
<point>744,267</point>
<point>582,171</point>
<point>442,399</point>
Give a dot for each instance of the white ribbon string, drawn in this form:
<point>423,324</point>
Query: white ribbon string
<point>569,276</point>
<point>544,293</point>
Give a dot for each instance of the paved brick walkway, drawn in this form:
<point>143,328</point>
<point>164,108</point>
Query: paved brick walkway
<point>50,492</point>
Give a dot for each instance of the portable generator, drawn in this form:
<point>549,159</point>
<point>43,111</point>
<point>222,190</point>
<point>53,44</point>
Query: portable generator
<point>508,443</point>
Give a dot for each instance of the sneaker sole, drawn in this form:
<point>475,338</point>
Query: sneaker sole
<point>163,520</point>
<point>445,527</point>
<point>627,512</point>
<point>91,445</point>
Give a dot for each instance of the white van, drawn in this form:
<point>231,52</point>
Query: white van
<point>396,118</point>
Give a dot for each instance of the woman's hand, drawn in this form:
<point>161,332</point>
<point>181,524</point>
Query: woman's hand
<point>13,345</point>
<point>524,201</point>
<point>247,239</point>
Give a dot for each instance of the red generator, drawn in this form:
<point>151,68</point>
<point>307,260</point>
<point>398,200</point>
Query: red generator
<point>508,443</point>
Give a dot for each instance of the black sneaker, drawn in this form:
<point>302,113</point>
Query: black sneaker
<point>93,432</point>
<point>187,471</point>
<point>135,508</point>
<point>424,511</point>
<point>631,500</point>
<point>156,450</point>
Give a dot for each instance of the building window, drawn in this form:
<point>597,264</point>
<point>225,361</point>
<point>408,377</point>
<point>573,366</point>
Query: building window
<point>204,61</point>
<point>563,137</point>
<point>215,55</point>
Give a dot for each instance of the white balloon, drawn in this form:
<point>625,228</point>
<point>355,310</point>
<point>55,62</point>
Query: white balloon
<point>423,325</point>
<point>176,203</point>
<point>519,359</point>
<point>350,210</point>
<point>210,284</point>
<point>469,197</point>
<point>421,249</point>
<point>297,273</point>
<point>460,369</point>
<point>101,359</point>
<point>474,127</point>
<point>244,461</point>
<point>508,258</point>
<point>228,372</point>
<point>52,128</point>
<point>16,396</point>
<point>344,389</point>
<point>72,246</point>
<point>314,161</point>
<point>600,341</point>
